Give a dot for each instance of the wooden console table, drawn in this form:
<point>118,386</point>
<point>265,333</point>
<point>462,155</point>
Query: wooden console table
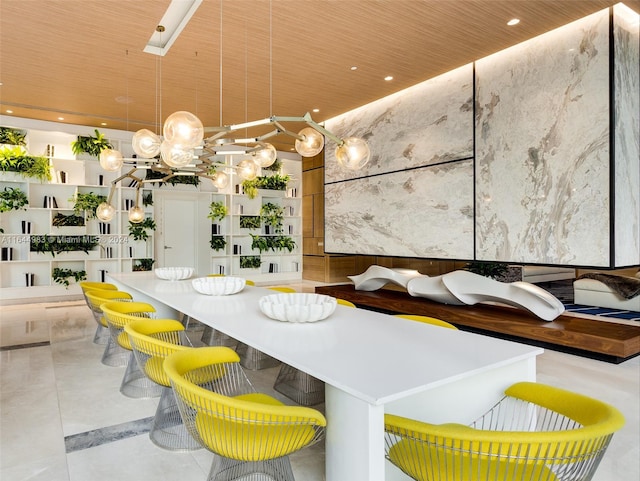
<point>602,340</point>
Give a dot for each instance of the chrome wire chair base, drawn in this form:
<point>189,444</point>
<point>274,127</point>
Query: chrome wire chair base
<point>299,386</point>
<point>102,335</point>
<point>253,359</point>
<point>167,430</point>
<point>115,355</point>
<point>224,469</point>
<point>135,383</point>
<point>213,337</point>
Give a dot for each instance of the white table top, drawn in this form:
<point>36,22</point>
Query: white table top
<point>375,357</point>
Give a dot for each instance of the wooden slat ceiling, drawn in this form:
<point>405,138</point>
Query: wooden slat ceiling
<point>83,59</point>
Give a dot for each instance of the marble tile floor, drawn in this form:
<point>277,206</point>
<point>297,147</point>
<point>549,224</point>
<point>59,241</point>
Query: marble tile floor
<point>62,417</point>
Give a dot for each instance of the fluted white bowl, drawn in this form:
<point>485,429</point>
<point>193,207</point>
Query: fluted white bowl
<point>173,273</point>
<point>298,307</point>
<point>218,286</point>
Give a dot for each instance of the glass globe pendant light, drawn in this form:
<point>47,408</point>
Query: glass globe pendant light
<point>110,160</point>
<point>353,153</point>
<point>266,156</point>
<point>220,180</point>
<point>136,214</point>
<point>105,212</point>
<point>247,170</point>
<point>146,144</point>
<point>176,155</point>
<point>183,128</point>
<point>312,144</point>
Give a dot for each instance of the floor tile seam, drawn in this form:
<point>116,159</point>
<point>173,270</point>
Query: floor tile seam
<point>25,346</point>
<point>105,435</point>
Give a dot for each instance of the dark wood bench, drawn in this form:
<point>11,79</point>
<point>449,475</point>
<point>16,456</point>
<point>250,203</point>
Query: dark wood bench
<point>607,341</point>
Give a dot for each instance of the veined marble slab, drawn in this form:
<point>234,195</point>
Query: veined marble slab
<point>626,34</point>
<point>428,123</point>
<point>426,212</point>
<point>542,148</point>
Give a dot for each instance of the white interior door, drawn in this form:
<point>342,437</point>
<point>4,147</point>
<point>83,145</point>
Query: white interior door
<point>177,242</point>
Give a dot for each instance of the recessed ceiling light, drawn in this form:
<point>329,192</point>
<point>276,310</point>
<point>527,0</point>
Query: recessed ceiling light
<point>103,123</point>
<point>60,118</point>
<point>388,78</point>
<point>316,110</point>
<point>354,68</point>
<point>513,21</point>
<point>9,111</point>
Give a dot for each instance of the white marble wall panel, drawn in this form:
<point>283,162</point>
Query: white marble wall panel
<point>428,123</point>
<point>626,34</point>
<point>425,212</point>
<point>542,148</point>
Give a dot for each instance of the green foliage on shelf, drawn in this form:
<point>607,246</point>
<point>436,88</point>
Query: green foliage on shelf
<point>273,243</point>
<point>143,265</point>
<point>178,179</point>
<point>14,159</point>
<point>250,262</point>
<point>61,220</point>
<point>90,145</point>
<point>12,136</point>
<point>218,242</point>
<point>275,167</point>
<point>12,198</point>
<point>487,269</point>
<point>87,203</point>
<point>272,215</point>
<point>249,221</point>
<point>270,182</point>
<point>139,230</point>
<point>61,276</point>
<point>57,244</point>
<point>147,199</point>
<point>217,210</point>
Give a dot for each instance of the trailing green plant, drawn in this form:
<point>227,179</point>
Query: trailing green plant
<point>61,276</point>
<point>250,262</point>
<point>217,210</point>
<point>61,220</point>
<point>139,230</point>
<point>90,145</point>
<point>12,136</point>
<point>142,265</point>
<point>147,199</point>
<point>13,159</point>
<point>249,221</point>
<point>275,167</point>
<point>272,215</point>
<point>487,269</point>
<point>87,203</point>
<point>273,243</point>
<point>270,182</point>
<point>12,198</point>
<point>57,244</point>
<point>178,179</point>
<point>218,242</point>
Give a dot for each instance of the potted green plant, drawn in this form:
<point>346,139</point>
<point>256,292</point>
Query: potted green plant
<point>57,244</point>
<point>12,198</point>
<point>142,265</point>
<point>139,230</point>
<point>218,242</point>
<point>11,136</point>
<point>250,262</point>
<point>249,221</point>
<point>61,276</point>
<point>259,242</point>
<point>87,203</point>
<point>147,199</point>
<point>492,270</point>
<point>270,182</point>
<point>272,215</point>
<point>90,145</point>
<point>72,220</point>
<point>217,210</point>
<point>14,159</point>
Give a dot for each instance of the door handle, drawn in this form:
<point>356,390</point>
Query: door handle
<point>168,247</point>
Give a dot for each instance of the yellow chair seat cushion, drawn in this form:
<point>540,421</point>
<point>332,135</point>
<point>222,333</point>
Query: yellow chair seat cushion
<point>426,462</point>
<point>248,436</point>
<point>154,371</point>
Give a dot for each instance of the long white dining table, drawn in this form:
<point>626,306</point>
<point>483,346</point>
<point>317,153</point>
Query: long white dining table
<point>371,363</point>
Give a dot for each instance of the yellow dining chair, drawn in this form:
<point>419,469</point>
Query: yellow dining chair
<point>427,320</point>
<point>135,383</point>
<point>535,433</point>
<point>344,302</point>
<point>102,331</point>
<point>250,357</point>
<point>250,433</point>
<point>113,354</point>
<point>152,340</point>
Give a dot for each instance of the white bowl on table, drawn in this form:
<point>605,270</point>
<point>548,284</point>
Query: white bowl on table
<point>298,307</point>
<point>173,273</point>
<point>218,285</point>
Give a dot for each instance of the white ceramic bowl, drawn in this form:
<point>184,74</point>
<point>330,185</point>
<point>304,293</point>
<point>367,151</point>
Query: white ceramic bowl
<point>174,273</point>
<point>302,307</point>
<point>219,285</point>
